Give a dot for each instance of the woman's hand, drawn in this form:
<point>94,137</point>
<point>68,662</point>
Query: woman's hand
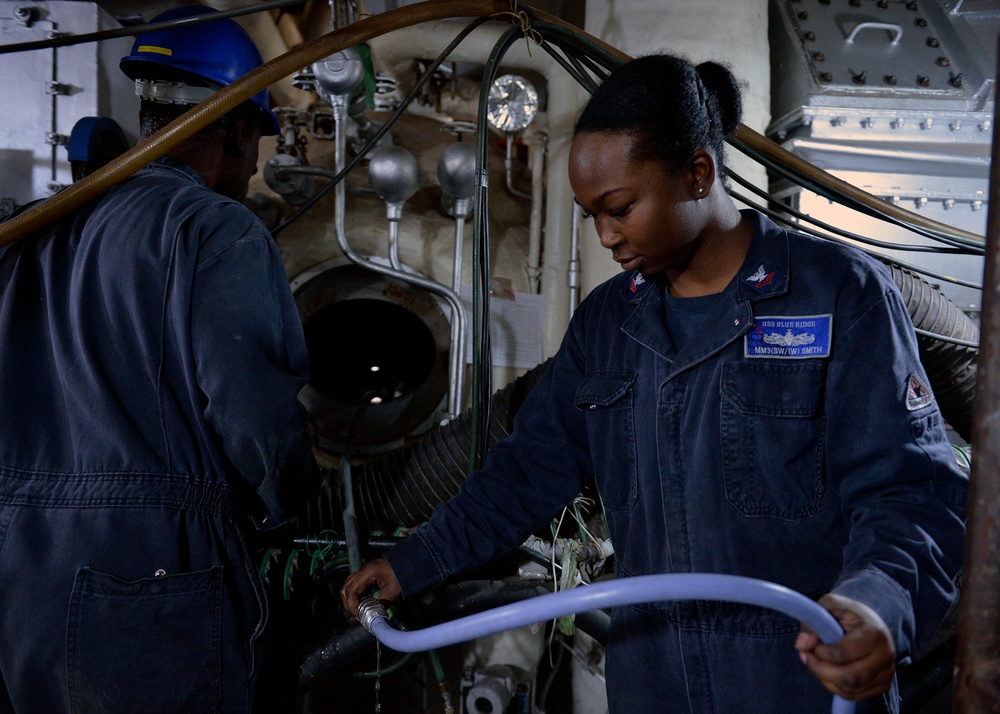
<point>861,663</point>
<point>377,573</point>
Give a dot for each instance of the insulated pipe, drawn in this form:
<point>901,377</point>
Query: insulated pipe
<point>977,670</point>
<point>610,593</point>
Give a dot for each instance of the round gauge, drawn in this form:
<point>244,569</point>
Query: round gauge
<point>512,103</point>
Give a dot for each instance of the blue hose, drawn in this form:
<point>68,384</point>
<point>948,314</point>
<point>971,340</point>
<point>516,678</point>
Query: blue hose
<point>625,591</point>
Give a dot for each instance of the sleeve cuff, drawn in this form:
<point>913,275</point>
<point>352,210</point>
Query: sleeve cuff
<point>414,565</point>
<point>886,597</point>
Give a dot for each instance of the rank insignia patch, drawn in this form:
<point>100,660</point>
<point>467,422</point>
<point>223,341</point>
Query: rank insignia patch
<point>918,394</point>
<point>765,278</point>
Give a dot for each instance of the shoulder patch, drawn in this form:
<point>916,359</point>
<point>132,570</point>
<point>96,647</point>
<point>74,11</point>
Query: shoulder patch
<point>918,394</point>
<point>789,337</point>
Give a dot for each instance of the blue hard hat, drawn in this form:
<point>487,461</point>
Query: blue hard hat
<point>220,52</point>
<point>89,133</point>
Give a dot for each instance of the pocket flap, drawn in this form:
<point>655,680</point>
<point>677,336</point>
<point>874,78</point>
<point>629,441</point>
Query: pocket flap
<point>602,389</point>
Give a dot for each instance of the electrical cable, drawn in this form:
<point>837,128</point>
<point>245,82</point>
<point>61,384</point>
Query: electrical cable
<point>624,591</point>
<point>94,185</point>
<point>840,231</point>
<point>132,30</point>
<point>336,178</point>
<point>778,217</point>
<point>803,174</point>
<point>482,366</point>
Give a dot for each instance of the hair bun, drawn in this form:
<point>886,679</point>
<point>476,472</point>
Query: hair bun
<point>721,83</point>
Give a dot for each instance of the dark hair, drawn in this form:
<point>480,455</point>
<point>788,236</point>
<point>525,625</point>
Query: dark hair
<point>670,107</point>
<point>153,116</point>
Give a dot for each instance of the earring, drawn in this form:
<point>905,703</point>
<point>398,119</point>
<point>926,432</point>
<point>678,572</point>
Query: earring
<point>700,190</point>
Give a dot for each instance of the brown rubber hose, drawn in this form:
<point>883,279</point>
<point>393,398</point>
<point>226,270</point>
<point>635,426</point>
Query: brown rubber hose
<point>94,185</point>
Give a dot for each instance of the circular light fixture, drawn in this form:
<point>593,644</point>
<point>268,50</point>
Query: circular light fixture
<point>512,103</point>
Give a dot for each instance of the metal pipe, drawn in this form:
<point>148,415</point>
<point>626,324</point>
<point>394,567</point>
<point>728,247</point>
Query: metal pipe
<point>456,352</point>
<point>539,147</point>
<point>461,206</point>
<point>395,212</point>
<point>977,666</point>
<point>508,165</point>
<point>573,274</point>
<point>91,187</point>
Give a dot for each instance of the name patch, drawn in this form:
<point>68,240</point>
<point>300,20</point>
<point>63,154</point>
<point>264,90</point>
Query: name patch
<point>803,337</point>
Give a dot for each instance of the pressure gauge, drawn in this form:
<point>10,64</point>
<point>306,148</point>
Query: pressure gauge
<point>512,103</point>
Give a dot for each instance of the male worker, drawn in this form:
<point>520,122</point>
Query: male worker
<point>150,363</point>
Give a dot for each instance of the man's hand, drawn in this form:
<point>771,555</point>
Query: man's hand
<point>377,572</point>
<point>861,663</point>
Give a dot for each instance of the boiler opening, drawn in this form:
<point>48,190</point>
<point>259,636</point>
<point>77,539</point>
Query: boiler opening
<point>367,350</point>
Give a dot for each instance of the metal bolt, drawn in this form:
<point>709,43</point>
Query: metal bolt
<point>867,123</point>
<point>911,5</point>
<point>890,79</point>
<point>819,57</point>
<point>899,123</point>
<point>977,205</point>
<point>955,125</point>
<point>986,125</point>
<point>825,77</point>
<point>804,15</point>
<point>943,62</point>
<point>25,15</point>
<point>920,22</point>
<point>838,121</point>
<point>957,81</point>
<point>810,36</point>
<point>855,3</point>
<point>894,200</point>
<point>54,186</point>
<point>923,80</point>
<point>920,202</point>
<point>56,139</point>
<point>933,42</point>
<point>861,78</point>
<point>927,123</point>
<point>883,4</point>
<point>949,203</point>
<point>56,88</point>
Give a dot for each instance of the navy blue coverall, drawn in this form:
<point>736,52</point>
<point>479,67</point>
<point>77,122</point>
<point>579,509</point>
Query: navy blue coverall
<point>150,359</point>
<point>794,439</point>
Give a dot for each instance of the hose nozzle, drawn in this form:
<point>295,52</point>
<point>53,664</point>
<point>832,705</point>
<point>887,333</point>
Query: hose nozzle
<point>370,609</point>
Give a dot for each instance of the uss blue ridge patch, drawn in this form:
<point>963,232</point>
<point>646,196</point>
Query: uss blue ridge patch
<point>789,337</point>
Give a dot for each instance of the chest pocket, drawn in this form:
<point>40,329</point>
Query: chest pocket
<point>773,437</point>
<point>606,397</point>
